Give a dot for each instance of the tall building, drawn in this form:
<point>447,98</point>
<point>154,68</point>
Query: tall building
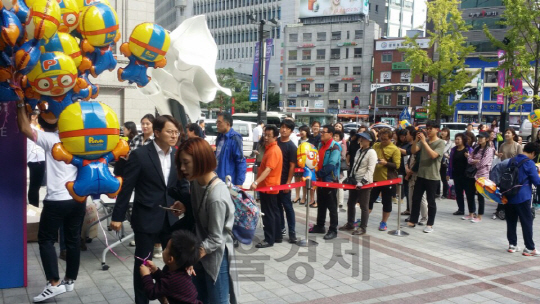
<point>171,13</point>
<point>396,17</point>
<point>486,102</point>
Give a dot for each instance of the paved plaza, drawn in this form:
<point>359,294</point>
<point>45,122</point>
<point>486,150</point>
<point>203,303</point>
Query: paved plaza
<point>460,262</point>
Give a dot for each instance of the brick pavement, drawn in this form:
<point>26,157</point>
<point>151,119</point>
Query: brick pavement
<point>460,262</point>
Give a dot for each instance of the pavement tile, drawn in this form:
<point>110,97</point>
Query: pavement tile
<point>22,298</point>
<point>14,292</point>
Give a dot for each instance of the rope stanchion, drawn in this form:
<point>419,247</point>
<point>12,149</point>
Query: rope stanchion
<point>306,242</point>
<point>328,185</point>
<point>398,231</point>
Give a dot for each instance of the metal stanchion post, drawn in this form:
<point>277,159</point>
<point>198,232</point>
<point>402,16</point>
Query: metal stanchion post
<point>398,231</point>
<point>306,241</point>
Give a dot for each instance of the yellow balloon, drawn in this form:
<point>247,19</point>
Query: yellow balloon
<point>88,129</point>
<point>54,75</point>
<point>534,118</point>
<point>99,24</point>
<point>70,15</point>
<point>149,42</point>
<point>67,44</point>
<point>44,20</point>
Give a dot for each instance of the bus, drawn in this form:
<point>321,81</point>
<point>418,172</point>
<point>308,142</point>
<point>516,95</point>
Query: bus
<point>272,118</point>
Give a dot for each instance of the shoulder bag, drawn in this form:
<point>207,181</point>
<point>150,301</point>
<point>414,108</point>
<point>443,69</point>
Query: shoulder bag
<point>351,179</point>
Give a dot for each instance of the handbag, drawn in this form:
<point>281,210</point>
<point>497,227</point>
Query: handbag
<point>471,170</point>
<point>351,179</point>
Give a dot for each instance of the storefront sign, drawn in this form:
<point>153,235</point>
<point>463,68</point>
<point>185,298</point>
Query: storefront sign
<point>483,14</point>
<point>400,87</point>
<point>420,113</point>
<point>384,45</point>
<point>319,103</point>
<point>346,44</point>
<point>400,66</point>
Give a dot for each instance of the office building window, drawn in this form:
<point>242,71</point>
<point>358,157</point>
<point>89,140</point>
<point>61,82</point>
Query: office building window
<point>384,99</point>
<point>405,77</point>
<point>292,72</point>
<point>336,35</point>
<point>319,71</point>
<point>293,54</point>
<point>293,37</point>
<point>335,53</point>
<point>386,56</point>
<point>321,54</point>
<point>291,103</point>
<point>291,87</point>
<point>356,87</point>
<point>386,76</point>
<point>402,99</point>
<point>334,71</point>
<point>334,87</point>
<point>306,71</point>
<point>358,34</point>
<point>345,87</point>
<point>319,87</point>
<point>306,87</point>
<point>306,54</point>
<point>490,77</point>
<point>307,37</point>
<point>321,36</point>
<point>357,70</point>
<point>357,52</point>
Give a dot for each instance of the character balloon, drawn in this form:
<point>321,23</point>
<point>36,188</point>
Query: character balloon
<point>70,15</point>
<point>146,48</point>
<point>489,191</point>
<point>90,138</point>
<point>534,118</point>
<point>308,158</point>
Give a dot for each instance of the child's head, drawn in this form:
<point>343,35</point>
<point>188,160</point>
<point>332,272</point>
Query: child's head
<point>182,250</point>
<point>338,136</point>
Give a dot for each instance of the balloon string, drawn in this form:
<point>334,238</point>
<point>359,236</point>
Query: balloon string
<point>145,260</point>
<point>107,240</point>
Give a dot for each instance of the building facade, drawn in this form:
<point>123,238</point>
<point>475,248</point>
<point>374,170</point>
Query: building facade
<point>326,70</point>
<point>393,89</point>
<point>171,13</point>
<point>396,17</point>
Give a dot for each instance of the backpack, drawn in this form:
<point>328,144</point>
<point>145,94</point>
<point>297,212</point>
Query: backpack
<point>246,213</point>
<point>508,184</point>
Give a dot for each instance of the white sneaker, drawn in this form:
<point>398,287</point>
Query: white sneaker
<point>132,243</point>
<point>428,229</point>
<point>50,292</point>
<point>158,252</point>
<point>69,285</point>
<point>512,248</point>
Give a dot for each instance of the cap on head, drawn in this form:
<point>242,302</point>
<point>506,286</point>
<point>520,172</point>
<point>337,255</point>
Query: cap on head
<point>365,135</point>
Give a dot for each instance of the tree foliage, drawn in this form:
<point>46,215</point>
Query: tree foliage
<point>447,66</point>
<point>226,78</point>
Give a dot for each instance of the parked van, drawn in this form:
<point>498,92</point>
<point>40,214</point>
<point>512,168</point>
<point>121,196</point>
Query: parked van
<point>455,128</point>
<point>244,128</point>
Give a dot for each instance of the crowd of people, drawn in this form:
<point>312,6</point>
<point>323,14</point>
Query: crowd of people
<point>182,210</point>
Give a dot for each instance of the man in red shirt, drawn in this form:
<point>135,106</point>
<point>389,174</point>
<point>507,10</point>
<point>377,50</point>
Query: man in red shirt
<point>270,175</point>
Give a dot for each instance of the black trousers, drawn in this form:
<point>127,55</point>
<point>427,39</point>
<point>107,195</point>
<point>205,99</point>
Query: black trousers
<point>465,184</point>
<point>362,197</point>
<point>37,172</point>
<point>387,192</point>
<point>144,246</point>
<point>285,204</point>
<point>69,214</point>
<point>327,200</point>
<point>442,171</point>
<point>429,187</point>
<point>524,213</point>
<point>271,218</point>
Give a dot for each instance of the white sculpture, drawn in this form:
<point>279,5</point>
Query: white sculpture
<point>190,73</point>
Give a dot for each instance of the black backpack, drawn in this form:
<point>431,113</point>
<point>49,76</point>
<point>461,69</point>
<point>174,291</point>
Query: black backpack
<point>508,185</point>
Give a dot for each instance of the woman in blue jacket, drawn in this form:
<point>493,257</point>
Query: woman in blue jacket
<point>519,205</point>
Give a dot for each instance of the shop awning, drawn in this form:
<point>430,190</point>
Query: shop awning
<point>468,112</point>
<point>364,116</point>
<point>491,113</point>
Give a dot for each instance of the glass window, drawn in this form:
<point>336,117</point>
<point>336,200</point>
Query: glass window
<point>319,87</point>
<point>493,93</point>
<point>293,54</point>
<point>319,71</point>
<point>345,87</point>
<point>483,3</point>
<point>491,77</point>
<point>291,87</point>
<point>306,87</point>
<point>357,70</point>
<point>321,54</point>
<point>336,35</point>
<point>405,77</point>
<point>291,103</point>
<point>306,71</point>
<point>293,37</point>
<point>306,54</point>
<point>356,87</point>
<point>386,56</point>
<point>384,99</point>
<point>334,71</point>
<point>292,72</point>
<point>491,23</point>
<point>307,37</point>
<point>321,36</point>
<point>357,52</point>
<point>402,99</point>
<point>335,53</point>
<point>334,87</point>
<point>358,34</point>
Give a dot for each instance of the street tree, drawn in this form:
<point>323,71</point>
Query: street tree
<point>226,78</point>
<point>450,49</point>
<point>521,46</point>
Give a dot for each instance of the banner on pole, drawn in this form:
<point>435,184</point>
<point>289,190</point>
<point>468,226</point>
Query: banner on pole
<point>254,91</point>
<point>500,77</point>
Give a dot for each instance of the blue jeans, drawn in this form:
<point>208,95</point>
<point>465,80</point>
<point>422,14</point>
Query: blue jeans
<point>211,292</point>
<point>285,203</point>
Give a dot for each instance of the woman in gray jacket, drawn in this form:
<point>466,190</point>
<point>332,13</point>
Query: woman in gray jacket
<point>214,217</point>
<point>362,167</point>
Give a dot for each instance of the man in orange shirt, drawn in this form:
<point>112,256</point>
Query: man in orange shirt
<point>270,175</point>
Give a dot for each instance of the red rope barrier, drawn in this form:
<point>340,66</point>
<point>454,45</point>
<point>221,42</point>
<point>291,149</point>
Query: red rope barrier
<point>327,185</point>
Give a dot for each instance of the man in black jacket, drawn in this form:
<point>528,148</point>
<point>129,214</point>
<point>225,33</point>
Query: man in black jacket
<point>150,170</point>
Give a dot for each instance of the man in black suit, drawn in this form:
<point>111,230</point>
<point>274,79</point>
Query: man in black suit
<point>150,170</point>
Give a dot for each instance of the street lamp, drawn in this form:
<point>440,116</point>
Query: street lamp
<point>261,114</point>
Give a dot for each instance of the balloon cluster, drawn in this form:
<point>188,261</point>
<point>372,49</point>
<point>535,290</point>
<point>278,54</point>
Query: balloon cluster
<point>48,50</point>
<point>404,124</point>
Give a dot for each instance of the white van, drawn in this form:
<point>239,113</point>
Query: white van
<point>272,118</point>
<point>244,128</point>
<point>455,128</point>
